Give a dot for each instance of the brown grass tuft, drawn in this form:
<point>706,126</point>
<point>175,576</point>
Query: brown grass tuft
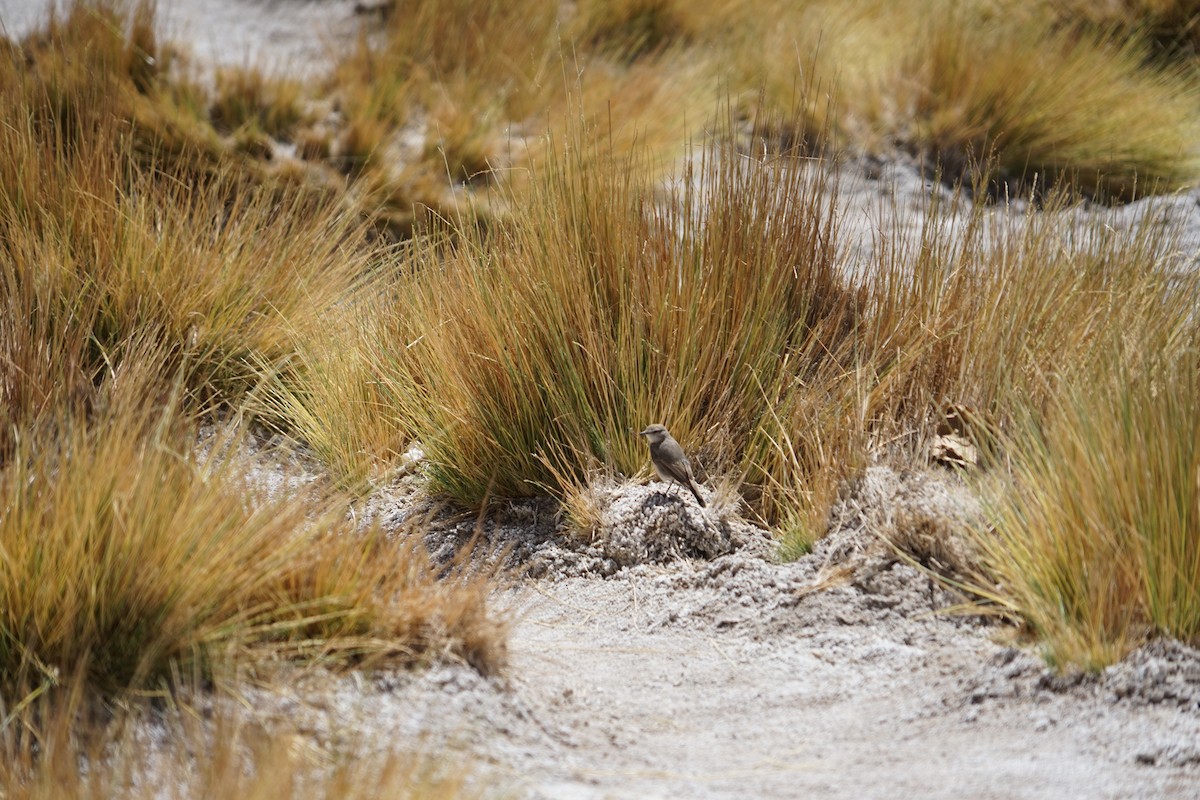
<point>127,555</point>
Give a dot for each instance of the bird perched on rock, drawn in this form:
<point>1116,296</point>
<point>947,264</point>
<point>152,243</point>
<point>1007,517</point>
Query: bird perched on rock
<point>668,459</point>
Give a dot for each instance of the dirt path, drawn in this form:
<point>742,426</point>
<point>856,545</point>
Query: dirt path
<point>696,682</point>
<point>834,676</point>
<point>739,677</point>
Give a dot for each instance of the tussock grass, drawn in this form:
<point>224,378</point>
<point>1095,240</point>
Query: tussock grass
<point>815,60</point>
<point>455,98</point>
<point>634,28</point>
<point>724,307</point>
<point>334,399</point>
<point>1046,103</point>
<point>99,62</point>
<point>146,281</point>
<point>1171,26</point>
<point>246,96</point>
<point>447,99</point>
<point>220,274</point>
<point>207,257</point>
<point>992,317</point>
<point>961,83</point>
<point>607,106</point>
<point>456,73</point>
<point>532,356</point>
<point>1073,347</point>
<point>814,436</point>
<point>1095,538</point>
<point>126,555</point>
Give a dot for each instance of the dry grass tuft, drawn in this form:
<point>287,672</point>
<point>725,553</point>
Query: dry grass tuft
<point>247,96</point>
<point>333,399</point>
<point>126,555</point>
<point>976,318</point>
<point>455,98</point>
<point>99,63</point>
<point>1046,104</point>
<point>631,29</point>
<point>1094,539</point>
<point>144,283</point>
<point>452,76</point>
<point>221,276</point>
<point>640,310</point>
<point>1171,26</point>
<point>962,84</point>
<point>216,265</point>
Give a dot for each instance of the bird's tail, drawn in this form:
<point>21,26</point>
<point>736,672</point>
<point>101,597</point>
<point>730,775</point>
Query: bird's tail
<point>695,491</point>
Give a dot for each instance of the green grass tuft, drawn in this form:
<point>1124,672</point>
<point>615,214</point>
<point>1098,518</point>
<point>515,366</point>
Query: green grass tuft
<point>1095,537</point>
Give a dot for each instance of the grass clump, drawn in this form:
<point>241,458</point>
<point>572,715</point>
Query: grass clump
<point>246,96</point>
<point>126,555</point>
<point>1171,26</point>
<point>146,285</point>
<point>531,356</point>
<point>725,308</point>
<point>334,399</point>
<point>952,316</point>
<point>455,98</point>
<point>525,354</point>
<point>97,63</point>
<point>974,316</point>
<point>200,253</point>
<point>635,28</point>
<point>1095,538</point>
<point>958,84</point>
<point>1048,105</point>
<point>453,75</point>
<point>1073,347</point>
<point>219,274</point>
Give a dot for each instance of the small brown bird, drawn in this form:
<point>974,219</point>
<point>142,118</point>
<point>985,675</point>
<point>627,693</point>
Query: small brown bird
<point>668,459</point>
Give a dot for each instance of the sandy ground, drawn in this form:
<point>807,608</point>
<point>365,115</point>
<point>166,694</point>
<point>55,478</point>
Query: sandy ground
<point>671,656</point>
<point>698,683</point>
<point>834,676</point>
<point>639,670</point>
<point>703,669</point>
<point>296,36</point>
<point>839,675</point>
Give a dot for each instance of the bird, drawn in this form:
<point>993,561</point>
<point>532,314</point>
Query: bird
<point>668,459</point>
